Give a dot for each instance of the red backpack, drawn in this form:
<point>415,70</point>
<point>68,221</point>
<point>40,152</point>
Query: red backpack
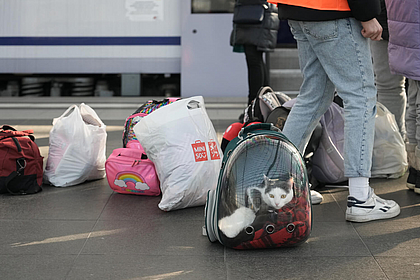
<point>21,164</point>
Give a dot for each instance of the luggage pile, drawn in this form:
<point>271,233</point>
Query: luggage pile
<point>128,169</point>
<point>181,141</point>
<point>170,148</point>
<point>256,186</point>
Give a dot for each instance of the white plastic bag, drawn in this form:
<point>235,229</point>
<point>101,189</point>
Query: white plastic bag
<point>77,147</point>
<point>389,156</point>
<point>181,141</point>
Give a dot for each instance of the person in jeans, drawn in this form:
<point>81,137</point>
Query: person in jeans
<point>334,55</point>
<point>404,59</point>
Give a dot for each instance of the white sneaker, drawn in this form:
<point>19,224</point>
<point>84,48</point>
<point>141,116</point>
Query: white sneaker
<point>316,197</point>
<point>375,208</point>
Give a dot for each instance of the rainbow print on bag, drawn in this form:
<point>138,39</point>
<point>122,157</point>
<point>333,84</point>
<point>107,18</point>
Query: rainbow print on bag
<point>132,181</point>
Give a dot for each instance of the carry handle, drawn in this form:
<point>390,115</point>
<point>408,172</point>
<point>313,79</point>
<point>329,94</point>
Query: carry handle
<point>252,127</point>
<point>263,90</point>
<point>193,104</point>
<point>8,127</point>
<point>12,132</point>
<point>131,152</point>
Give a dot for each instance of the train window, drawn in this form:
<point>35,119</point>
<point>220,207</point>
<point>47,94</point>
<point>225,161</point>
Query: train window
<point>212,6</point>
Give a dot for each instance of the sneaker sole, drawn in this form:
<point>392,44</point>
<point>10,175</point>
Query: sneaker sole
<point>417,190</point>
<point>369,217</point>
<point>316,200</point>
<point>411,186</point>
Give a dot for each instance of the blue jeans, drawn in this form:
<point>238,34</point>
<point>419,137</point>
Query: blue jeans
<point>334,56</point>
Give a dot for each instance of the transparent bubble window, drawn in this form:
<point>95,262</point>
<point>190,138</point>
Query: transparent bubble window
<point>264,187</point>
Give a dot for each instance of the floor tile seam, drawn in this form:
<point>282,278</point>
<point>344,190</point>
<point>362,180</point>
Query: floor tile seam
<point>356,231</point>
<point>48,219</point>
<point>311,257</point>
<point>87,238</point>
<point>39,254</point>
<point>152,218</point>
<point>336,201</point>
<point>148,254</point>
<point>398,256</point>
<point>380,267</point>
<point>368,249</point>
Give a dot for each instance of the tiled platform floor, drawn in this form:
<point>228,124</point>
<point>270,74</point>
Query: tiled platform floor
<point>90,232</point>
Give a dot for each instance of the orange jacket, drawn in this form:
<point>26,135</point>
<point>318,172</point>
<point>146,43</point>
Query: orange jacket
<point>331,5</point>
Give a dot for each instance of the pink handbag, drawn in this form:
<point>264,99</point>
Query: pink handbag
<point>129,171</point>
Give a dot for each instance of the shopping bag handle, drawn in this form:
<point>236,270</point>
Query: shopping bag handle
<point>74,106</point>
<point>90,116</point>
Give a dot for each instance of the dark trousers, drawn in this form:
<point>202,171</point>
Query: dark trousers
<point>257,71</point>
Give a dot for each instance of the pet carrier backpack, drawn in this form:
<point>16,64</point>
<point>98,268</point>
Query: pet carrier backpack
<point>262,199</point>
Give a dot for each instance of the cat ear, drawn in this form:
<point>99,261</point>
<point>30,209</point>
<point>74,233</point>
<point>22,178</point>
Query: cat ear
<point>266,179</point>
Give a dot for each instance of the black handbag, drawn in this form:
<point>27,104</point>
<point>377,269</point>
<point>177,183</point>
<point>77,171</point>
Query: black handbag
<point>249,14</point>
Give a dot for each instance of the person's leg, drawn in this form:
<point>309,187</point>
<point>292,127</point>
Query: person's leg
<point>334,53</point>
<point>413,119</point>
<point>349,67</point>
<point>391,88</point>
<point>344,55</point>
<point>410,122</point>
<point>315,95</point>
<point>256,70</point>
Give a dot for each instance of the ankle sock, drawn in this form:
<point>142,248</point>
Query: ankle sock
<point>359,188</point>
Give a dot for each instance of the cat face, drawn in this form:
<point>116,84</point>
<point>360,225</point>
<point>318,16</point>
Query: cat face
<point>277,193</point>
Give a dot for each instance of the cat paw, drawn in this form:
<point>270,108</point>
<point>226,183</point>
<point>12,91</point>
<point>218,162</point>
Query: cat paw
<point>232,225</point>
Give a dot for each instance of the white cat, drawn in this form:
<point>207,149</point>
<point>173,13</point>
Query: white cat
<point>274,193</point>
<point>232,225</point>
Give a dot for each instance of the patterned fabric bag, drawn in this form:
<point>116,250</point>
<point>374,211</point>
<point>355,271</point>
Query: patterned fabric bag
<point>144,110</point>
